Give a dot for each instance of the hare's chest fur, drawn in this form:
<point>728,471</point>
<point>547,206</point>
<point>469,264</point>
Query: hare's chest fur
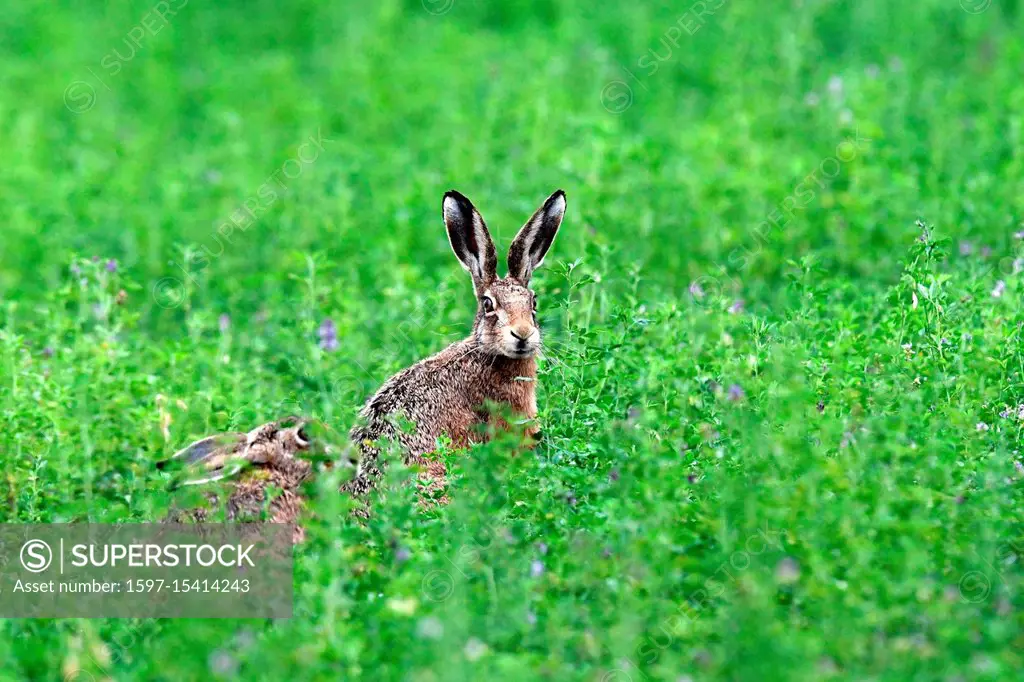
<point>488,387</point>
<point>515,384</point>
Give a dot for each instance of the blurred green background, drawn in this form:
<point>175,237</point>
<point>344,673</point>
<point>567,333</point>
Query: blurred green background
<point>782,419</point>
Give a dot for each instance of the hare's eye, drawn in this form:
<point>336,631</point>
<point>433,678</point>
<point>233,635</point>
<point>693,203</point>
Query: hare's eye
<point>488,304</point>
<point>535,303</point>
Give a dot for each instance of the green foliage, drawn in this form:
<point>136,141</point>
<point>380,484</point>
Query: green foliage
<point>782,393</point>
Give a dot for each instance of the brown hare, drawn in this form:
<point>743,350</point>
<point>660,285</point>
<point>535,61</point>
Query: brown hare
<point>264,457</point>
<point>448,393</point>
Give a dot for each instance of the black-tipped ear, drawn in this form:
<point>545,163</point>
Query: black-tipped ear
<point>535,238</point>
<point>223,455</point>
<point>470,239</point>
<point>210,451</point>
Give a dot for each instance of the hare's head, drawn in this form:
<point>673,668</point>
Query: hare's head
<point>506,318</point>
<point>292,434</point>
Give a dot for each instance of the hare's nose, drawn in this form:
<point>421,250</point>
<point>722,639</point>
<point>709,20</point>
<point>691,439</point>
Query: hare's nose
<point>522,333</point>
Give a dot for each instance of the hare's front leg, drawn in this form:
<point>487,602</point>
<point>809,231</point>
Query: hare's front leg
<point>524,421</point>
<point>532,429</point>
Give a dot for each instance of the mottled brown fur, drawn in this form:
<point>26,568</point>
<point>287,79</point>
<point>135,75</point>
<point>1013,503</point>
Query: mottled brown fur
<point>249,496</point>
<point>269,451</point>
<point>448,394</point>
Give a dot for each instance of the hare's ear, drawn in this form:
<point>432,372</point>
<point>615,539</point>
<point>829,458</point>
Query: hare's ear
<point>296,426</point>
<point>470,240</point>
<point>215,457</point>
<point>534,239</point>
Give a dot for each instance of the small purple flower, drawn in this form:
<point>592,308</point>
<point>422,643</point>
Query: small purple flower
<point>474,649</point>
<point>571,499</point>
<point>606,553</point>
<point>95,259</point>
<point>821,406</point>
<point>787,571</point>
<point>986,251</point>
<point>835,86</point>
<point>872,70</point>
<point>1019,234</point>
<point>736,393</point>
<point>76,270</point>
<point>1005,414</point>
<point>531,618</point>
<point>737,306</point>
<point>224,323</point>
<point>48,352</point>
<point>245,639</point>
<point>613,475</point>
<point>1018,466</point>
<point>223,664</point>
<point>542,547</point>
<point>430,628</point>
<point>536,568</point>
<point>981,426</point>
<point>329,335</point>
<point>999,289</point>
<point>402,555</point>
<point>112,265</point>
<point>695,290</point>
<point>966,248</point>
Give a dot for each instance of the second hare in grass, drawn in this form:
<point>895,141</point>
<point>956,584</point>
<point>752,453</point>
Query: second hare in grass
<point>447,394</point>
<point>266,457</point>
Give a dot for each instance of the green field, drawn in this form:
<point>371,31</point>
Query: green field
<point>782,397</point>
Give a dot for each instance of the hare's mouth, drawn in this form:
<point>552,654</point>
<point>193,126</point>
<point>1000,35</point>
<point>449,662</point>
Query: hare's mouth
<point>520,352</point>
